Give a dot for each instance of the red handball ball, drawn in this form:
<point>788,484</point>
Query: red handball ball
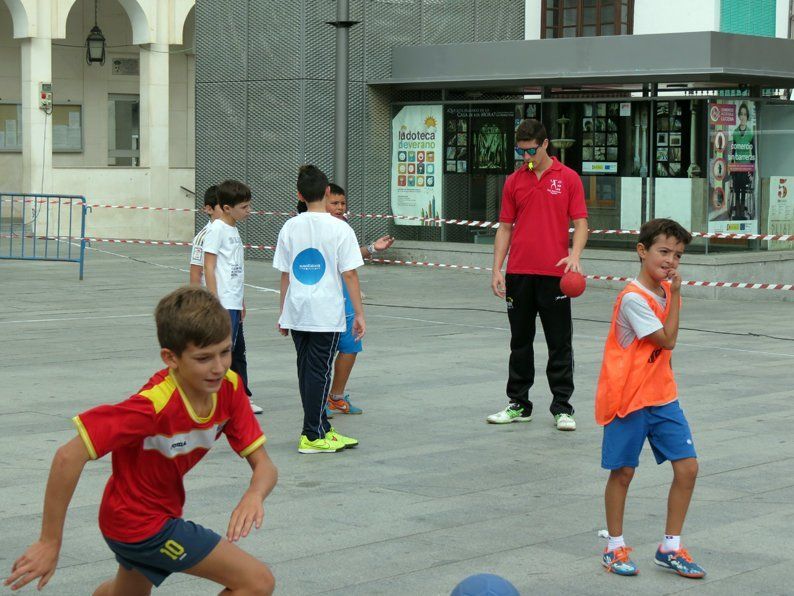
<point>573,284</point>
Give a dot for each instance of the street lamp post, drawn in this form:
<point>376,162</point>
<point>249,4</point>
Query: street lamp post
<point>342,25</point>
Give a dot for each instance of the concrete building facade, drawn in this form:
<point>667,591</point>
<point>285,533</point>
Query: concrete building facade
<point>120,133</point>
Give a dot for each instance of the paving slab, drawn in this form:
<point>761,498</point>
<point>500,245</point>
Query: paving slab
<point>433,493</point>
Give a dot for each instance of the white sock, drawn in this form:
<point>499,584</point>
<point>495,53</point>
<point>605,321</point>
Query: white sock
<point>615,542</point>
<point>671,543</point>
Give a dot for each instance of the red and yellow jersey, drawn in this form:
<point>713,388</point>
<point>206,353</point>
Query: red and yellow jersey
<point>156,437</point>
<point>638,376</point>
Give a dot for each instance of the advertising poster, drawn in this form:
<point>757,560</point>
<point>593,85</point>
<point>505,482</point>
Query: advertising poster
<point>781,210</point>
<point>733,187</point>
<point>417,146</point>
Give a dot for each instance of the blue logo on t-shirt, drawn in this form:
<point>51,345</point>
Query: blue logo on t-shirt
<point>309,266</point>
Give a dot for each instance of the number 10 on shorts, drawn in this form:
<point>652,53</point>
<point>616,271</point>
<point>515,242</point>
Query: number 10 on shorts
<point>173,549</point>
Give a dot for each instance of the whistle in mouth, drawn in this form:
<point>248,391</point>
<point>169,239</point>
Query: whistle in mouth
<point>530,165</point>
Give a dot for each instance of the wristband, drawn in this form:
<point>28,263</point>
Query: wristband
<point>371,248</point>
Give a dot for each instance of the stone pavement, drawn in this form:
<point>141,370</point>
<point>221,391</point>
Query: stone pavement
<point>433,494</point>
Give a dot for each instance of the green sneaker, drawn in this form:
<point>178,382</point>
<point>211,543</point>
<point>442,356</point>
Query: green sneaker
<point>565,422</point>
<point>335,437</point>
<point>317,446</point>
<point>512,413</point>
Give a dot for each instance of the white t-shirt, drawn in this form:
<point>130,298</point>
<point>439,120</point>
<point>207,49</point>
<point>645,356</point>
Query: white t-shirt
<point>224,241</point>
<point>635,318</point>
<point>197,253</point>
<point>315,249</point>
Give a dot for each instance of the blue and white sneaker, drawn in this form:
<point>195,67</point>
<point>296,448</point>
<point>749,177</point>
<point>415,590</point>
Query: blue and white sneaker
<point>679,561</point>
<point>617,561</point>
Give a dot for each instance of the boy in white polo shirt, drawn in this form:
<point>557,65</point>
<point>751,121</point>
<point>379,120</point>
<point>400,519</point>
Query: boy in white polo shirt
<point>317,253</point>
<point>213,211</point>
<point>224,267</point>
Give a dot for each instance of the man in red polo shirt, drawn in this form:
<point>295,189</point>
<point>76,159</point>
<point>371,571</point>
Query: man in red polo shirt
<point>539,200</point>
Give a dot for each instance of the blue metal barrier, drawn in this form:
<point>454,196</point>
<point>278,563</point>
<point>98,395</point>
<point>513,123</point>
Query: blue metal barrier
<point>43,227</point>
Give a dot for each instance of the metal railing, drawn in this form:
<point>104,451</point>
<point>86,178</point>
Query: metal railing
<point>43,227</point>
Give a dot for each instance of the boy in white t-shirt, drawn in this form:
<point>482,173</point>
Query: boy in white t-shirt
<point>224,267</point>
<point>212,210</point>
<point>316,254</point>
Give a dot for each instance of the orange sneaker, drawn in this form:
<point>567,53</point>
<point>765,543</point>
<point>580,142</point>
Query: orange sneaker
<point>341,404</point>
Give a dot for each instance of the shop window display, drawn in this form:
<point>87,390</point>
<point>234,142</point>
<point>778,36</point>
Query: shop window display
<point>600,138</point>
<point>669,142</point>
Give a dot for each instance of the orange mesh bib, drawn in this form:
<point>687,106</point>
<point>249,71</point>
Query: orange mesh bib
<point>637,376</point>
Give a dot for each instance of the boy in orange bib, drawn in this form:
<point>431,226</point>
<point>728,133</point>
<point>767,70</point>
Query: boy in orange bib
<point>637,397</point>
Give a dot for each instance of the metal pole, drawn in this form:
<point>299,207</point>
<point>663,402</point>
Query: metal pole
<point>652,157</point>
<point>342,25</point>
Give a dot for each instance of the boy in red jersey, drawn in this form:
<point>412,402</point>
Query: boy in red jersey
<point>637,397</point>
<point>156,436</point>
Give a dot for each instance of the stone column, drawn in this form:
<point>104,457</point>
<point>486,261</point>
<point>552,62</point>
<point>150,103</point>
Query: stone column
<point>36,68</point>
<point>154,117</point>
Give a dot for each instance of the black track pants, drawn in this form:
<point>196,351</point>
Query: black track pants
<point>528,296</point>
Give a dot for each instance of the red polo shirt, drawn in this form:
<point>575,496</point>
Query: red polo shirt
<point>541,211</point>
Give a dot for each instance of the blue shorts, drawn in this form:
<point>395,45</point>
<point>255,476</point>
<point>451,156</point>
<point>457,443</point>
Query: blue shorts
<point>347,343</point>
<point>665,427</point>
<point>180,545</point>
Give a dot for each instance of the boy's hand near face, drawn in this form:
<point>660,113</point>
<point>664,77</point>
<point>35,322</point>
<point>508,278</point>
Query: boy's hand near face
<point>675,281</point>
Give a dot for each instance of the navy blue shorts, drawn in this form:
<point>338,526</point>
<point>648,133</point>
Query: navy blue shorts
<point>180,545</point>
<point>665,427</point>
<point>347,343</point>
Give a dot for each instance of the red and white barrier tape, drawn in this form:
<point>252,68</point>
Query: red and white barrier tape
<point>164,243</point>
<point>491,224</point>
<point>706,284</point>
<point>125,241</point>
<point>426,264</point>
<point>432,220</point>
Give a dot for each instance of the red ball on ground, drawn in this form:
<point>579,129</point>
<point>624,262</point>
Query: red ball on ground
<point>573,284</point>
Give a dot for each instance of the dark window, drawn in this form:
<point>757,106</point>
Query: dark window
<point>586,18</point>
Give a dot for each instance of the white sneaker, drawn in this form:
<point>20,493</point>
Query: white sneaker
<point>565,422</point>
<point>512,413</point>
<point>255,408</point>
